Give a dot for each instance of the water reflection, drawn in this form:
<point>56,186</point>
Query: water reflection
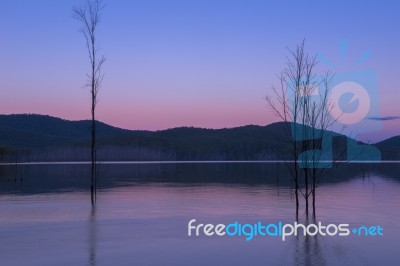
<point>28,179</point>
<point>92,236</point>
<point>307,249</point>
<point>143,211</point>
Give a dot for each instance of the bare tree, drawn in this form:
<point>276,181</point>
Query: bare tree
<point>89,16</point>
<point>302,102</point>
<point>317,152</point>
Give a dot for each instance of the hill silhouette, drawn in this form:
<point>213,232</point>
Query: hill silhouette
<point>31,131</point>
<point>390,148</point>
<point>33,137</point>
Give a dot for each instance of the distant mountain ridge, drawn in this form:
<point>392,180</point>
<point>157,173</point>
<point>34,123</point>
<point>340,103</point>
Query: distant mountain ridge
<point>31,131</point>
<point>390,148</point>
<point>42,137</point>
<point>393,141</point>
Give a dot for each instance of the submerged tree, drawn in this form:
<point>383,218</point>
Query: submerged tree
<point>302,102</point>
<point>89,16</point>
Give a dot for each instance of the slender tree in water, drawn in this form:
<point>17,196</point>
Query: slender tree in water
<point>302,102</point>
<point>89,15</point>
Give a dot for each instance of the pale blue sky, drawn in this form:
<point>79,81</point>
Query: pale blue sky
<point>186,63</point>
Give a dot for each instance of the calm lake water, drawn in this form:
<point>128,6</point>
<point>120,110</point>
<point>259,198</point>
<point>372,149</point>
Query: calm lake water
<point>143,211</point>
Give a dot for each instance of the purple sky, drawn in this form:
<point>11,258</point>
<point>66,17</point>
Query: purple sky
<point>187,63</point>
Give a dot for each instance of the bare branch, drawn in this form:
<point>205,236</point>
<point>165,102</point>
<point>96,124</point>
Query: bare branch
<point>89,16</point>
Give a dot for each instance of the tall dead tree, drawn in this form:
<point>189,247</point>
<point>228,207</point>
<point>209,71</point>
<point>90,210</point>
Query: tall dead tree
<point>302,102</point>
<point>89,15</point>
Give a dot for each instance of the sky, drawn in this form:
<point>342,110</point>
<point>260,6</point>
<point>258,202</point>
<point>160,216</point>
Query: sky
<point>190,63</point>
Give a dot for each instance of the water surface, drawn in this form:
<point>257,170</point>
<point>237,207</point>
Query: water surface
<point>142,214</point>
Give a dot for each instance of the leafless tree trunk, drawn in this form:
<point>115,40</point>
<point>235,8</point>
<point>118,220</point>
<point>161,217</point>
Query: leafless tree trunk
<point>302,102</point>
<point>89,16</point>
<point>319,122</point>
